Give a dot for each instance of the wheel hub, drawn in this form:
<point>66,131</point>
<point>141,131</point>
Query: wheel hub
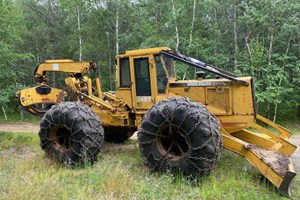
<point>173,143</point>
<point>61,138</point>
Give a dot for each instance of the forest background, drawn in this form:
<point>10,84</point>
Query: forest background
<point>258,38</point>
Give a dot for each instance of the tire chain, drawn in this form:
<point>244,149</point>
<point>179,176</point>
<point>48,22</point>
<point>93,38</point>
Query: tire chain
<point>191,108</point>
<point>90,143</point>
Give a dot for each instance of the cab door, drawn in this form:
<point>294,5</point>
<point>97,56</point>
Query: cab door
<point>143,87</point>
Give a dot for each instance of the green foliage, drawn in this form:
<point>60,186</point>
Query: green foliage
<point>11,21</point>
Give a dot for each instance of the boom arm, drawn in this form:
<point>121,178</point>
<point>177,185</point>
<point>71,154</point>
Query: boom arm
<point>66,65</point>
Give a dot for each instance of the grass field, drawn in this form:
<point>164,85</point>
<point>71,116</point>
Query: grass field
<point>120,174</point>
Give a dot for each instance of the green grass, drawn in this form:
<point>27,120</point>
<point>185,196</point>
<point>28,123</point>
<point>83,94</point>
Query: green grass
<point>119,174</point>
<point>293,126</point>
<point>16,117</point>
<point>11,140</point>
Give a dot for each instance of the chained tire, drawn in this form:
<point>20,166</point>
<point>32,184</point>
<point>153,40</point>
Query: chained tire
<point>117,135</point>
<point>71,133</point>
<point>181,136</point>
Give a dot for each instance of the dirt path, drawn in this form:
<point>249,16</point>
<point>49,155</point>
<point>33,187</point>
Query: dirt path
<point>34,128</point>
<point>23,127</point>
<point>296,156</point>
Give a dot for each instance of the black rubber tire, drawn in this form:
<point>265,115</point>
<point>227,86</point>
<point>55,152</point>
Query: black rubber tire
<point>180,135</point>
<point>71,133</point>
<point>117,135</point>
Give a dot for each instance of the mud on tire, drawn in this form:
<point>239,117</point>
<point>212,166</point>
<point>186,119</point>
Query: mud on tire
<point>71,133</point>
<point>180,135</point>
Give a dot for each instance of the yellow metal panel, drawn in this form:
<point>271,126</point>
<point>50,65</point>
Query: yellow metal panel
<point>242,99</point>
<point>126,95</point>
<point>195,93</point>
<point>219,99</point>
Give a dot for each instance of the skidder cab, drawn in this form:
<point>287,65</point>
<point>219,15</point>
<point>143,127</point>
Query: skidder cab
<point>182,124</point>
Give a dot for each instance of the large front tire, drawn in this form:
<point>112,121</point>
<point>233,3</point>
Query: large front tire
<point>180,135</point>
<point>71,133</point>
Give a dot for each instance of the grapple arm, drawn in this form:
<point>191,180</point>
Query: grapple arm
<point>38,100</point>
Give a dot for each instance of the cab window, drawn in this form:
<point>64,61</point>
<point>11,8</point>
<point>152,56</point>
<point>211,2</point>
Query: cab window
<point>161,76</point>
<point>124,72</point>
<point>142,77</point>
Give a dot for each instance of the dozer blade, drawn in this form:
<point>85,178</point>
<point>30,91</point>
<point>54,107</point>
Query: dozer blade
<point>38,100</point>
<point>268,152</point>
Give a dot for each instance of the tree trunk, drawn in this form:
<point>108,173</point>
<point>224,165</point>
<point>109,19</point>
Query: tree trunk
<point>22,115</point>
<point>235,35</point>
<point>276,103</point>
<point>117,29</point>
<point>176,27</point>
<point>271,45</point>
<point>50,23</point>
<point>109,61</point>
<point>79,38</point>
<point>215,22</point>
<point>268,111</point>
<point>191,37</point>
<point>275,112</point>
<point>250,54</point>
<point>192,26</point>
<point>4,113</point>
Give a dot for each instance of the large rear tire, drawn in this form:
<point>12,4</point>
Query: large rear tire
<point>71,133</point>
<point>180,135</point>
